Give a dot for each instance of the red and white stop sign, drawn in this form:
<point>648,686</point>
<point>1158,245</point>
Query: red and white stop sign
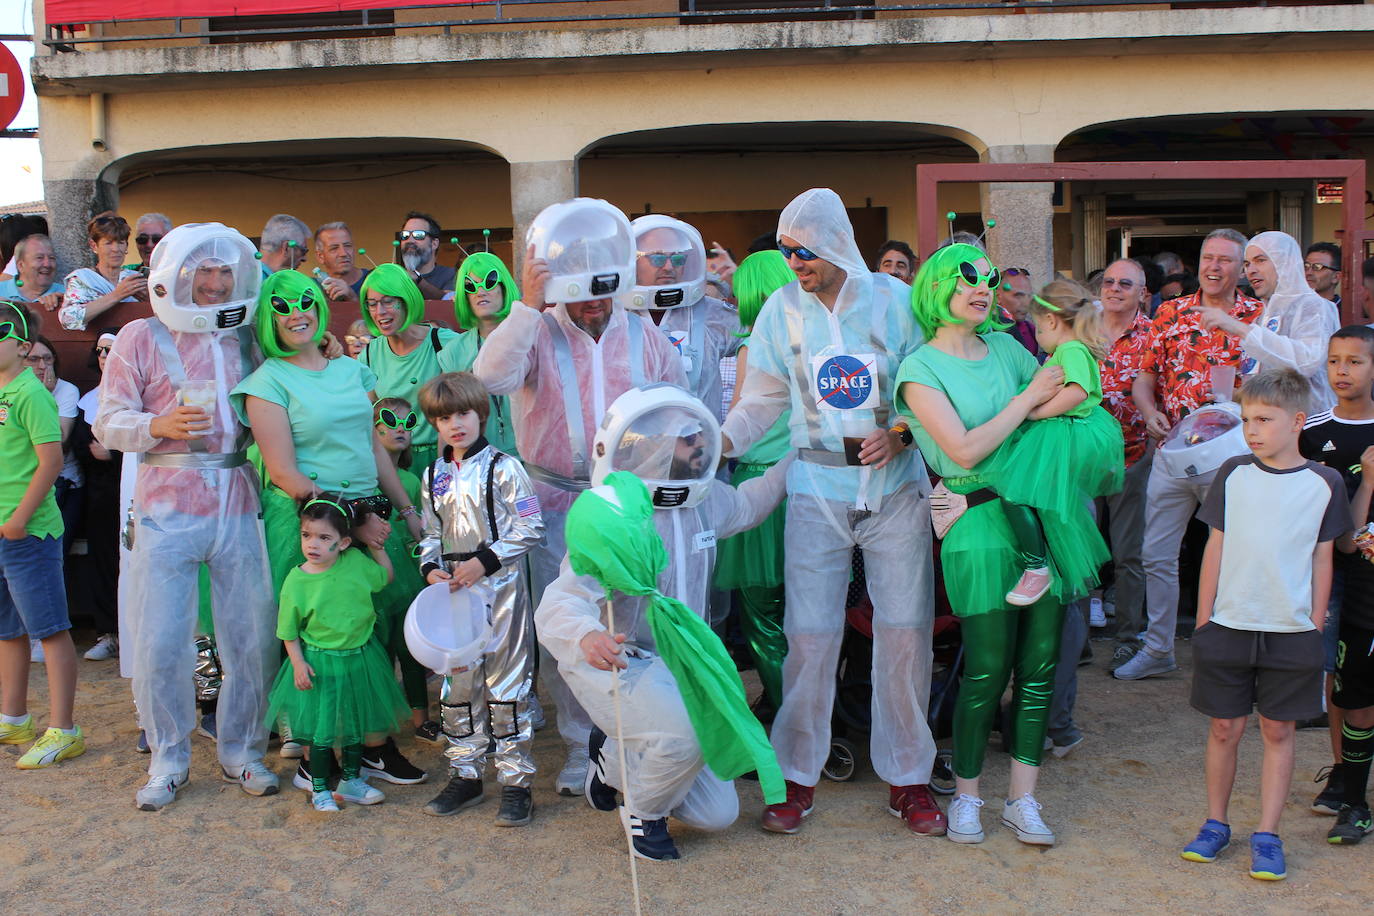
<point>11,87</point>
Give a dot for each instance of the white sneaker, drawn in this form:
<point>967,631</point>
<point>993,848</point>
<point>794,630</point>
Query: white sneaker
<point>1097,613</point>
<point>291,750</point>
<point>965,822</point>
<point>255,778</point>
<point>573,776</point>
<point>105,647</point>
<point>324,801</point>
<point>1145,664</point>
<point>359,792</point>
<point>36,655</point>
<point>160,791</point>
<point>1023,816</point>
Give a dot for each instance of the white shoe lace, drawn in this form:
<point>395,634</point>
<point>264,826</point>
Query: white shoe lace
<point>1029,814</point>
<point>965,814</point>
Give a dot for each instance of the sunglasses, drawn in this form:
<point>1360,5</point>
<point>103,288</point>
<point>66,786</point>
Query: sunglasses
<point>1016,272</point>
<point>659,258</point>
<point>1122,283</point>
<point>802,254</point>
<point>970,275</point>
<point>418,235</point>
<point>102,351</point>
<point>145,239</point>
<point>18,330</point>
<point>282,306</point>
<point>1315,268</point>
<point>387,417</point>
<point>491,282</point>
<point>352,339</point>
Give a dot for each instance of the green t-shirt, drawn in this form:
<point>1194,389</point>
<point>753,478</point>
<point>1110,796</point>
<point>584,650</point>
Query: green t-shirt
<point>978,388</point>
<point>1080,368</point>
<point>28,417</point>
<point>402,376</point>
<point>330,415</point>
<point>459,356</point>
<point>332,609</point>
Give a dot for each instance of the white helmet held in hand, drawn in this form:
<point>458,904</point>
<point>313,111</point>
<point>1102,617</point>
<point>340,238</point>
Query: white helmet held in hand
<point>670,263</point>
<point>204,277</point>
<point>664,436</point>
<point>589,248</point>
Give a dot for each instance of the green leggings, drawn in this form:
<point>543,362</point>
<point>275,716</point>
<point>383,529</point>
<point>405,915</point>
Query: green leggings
<point>1023,640</point>
<point>319,764</point>
<point>761,612</point>
<point>1027,533</point>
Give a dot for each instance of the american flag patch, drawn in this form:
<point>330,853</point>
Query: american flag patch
<point>527,506</point>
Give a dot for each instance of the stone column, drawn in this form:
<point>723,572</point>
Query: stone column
<point>1024,234</point>
<point>71,204</point>
<point>533,186</point>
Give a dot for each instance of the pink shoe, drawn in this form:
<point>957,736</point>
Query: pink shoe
<point>1030,588</point>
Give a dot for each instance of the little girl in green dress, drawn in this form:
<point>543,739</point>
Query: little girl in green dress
<point>1067,453</point>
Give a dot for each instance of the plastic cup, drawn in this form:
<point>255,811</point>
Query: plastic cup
<point>200,393</point>
<point>1223,383</point>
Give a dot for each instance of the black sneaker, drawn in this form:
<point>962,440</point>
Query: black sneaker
<point>517,807</point>
<point>1353,823</point>
<point>429,732</point>
<point>651,839</point>
<point>388,763</point>
<point>599,795</point>
<point>1333,796</point>
<point>460,793</point>
<point>302,778</point>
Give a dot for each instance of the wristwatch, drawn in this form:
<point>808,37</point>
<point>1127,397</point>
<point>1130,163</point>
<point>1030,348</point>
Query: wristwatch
<point>904,433</point>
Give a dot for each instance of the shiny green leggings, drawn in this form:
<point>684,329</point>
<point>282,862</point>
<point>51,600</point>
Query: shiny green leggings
<point>996,644</point>
<point>761,613</point>
<point>322,757</point>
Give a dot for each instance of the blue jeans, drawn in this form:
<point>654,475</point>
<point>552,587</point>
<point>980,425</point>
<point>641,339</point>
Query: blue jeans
<point>33,599</point>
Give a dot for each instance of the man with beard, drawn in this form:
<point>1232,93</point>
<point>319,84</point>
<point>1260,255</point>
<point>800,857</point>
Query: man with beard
<point>419,243</point>
<point>37,266</point>
<point>564,358</point>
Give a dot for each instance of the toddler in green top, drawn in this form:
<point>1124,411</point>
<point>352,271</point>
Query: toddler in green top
<point>32,600</point>
<point>336,686</point>
<point>1067,453</point>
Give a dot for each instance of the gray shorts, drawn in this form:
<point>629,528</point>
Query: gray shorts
<point>1237,671</point>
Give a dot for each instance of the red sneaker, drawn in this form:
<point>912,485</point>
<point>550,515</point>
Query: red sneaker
<point>917,806</point>
<point>786,817</point>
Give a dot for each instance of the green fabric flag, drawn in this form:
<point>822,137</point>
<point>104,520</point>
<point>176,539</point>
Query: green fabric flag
<point>619,547</point>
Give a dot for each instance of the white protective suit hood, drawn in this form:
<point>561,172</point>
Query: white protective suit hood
<point>172,278</point>
<point>589,247</point>
<point>1296,323</point>
<point>664,436</point>
<point>817,220</point>
<point>670,237</point>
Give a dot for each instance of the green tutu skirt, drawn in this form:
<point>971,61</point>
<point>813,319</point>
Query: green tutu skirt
<point>1061,462</point>
<point>353,696</point>
<point>753,558</point>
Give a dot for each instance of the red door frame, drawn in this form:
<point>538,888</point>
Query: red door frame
<point>929,178</point>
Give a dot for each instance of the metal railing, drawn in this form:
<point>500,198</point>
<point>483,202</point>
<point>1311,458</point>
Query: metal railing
<point>61,38</point>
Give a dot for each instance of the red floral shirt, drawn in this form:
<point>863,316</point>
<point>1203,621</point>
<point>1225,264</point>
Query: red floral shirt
<point>1180,352</point>
<point>1119,368</point>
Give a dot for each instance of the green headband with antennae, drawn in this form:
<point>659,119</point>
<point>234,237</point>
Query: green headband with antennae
<point>1049,305</point>
<point>326,502</point>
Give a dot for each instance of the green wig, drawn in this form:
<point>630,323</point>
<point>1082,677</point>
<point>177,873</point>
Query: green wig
<point>392,280</point>
<point>478,266</point>
<point>288,284</point>
<point>758,277</point>
<point>934,285</point>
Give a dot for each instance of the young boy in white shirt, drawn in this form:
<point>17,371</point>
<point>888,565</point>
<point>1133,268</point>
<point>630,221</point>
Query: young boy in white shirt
<point>1261,600</point>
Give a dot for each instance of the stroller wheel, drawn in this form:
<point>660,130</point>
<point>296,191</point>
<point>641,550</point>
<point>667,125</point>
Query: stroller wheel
<point>942,774</point>
<point>843,762</point>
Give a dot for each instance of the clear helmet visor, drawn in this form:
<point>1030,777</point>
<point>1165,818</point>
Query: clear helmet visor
<point>588,247</point>
<point>664,436</point>
<point>670,263</point>
<point>206,272</point>
<point>1200,428</point>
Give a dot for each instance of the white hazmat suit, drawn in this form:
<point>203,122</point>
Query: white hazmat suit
<point>1296,324</point>
<point>835,369</point>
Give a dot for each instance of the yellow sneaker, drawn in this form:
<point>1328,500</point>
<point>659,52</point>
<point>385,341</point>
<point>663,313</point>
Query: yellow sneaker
<point>17,734</point>
<point>53,747</point>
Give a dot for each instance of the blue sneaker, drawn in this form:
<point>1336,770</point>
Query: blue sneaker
<point>142,746</point>
<point>651,839</point>
<point>1266,857</point>
<point>207,727</point>
<point>597,794</point>
<point>1211,840</point>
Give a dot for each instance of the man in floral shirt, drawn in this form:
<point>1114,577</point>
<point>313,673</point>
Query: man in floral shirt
<point>1127,332</point>
<point>1174,380</point>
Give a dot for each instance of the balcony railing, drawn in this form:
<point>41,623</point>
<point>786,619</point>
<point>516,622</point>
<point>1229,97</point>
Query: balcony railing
<point>488,15</point>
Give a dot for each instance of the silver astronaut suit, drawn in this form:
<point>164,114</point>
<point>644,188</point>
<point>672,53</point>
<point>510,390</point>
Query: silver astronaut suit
<point>642,433</point>
<point>483,506</point>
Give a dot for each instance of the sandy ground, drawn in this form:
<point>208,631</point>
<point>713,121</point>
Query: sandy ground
<point>1123,805</point>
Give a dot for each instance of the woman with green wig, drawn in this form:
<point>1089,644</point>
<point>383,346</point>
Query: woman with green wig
<point>751,562</point>
<point>968,390</point>
<point>404,351</point>
<point>484,291</point>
